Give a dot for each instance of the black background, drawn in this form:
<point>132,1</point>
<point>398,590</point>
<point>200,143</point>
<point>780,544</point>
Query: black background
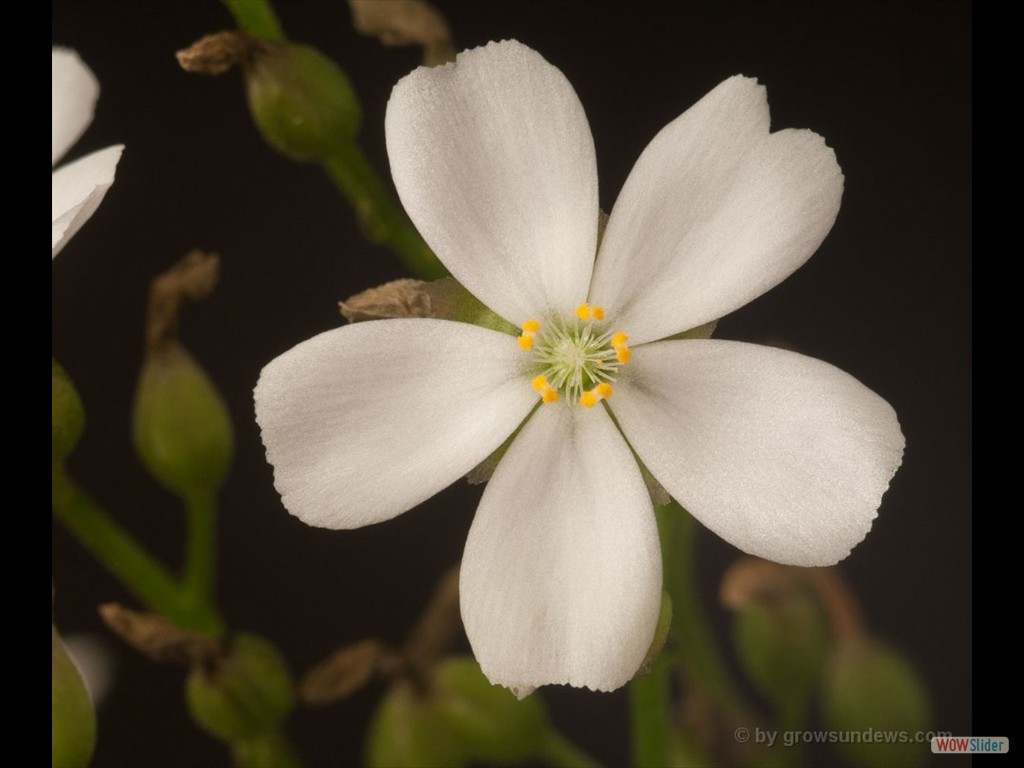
<point>887,298</point>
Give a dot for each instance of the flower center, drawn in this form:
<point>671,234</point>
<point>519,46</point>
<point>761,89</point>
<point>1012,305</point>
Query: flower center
<point>577,358</point>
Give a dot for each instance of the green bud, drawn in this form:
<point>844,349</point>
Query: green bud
<point>302,102</point>
<point>487,720</point>
<point>244,695</point>
<point>782,640</point>
<point>408,730</point>
<point>872,691</point>
<point>68,417</point>
<point>181,426</point>
<point>73,720</point>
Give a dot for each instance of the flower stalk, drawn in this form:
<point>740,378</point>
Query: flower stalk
<point>691,641</point>
<point>126,559</point>
<point>258,18</point>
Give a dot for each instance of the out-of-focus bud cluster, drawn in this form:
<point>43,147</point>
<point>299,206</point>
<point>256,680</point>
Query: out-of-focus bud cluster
<point>243,694</point>
<point>800,637</point>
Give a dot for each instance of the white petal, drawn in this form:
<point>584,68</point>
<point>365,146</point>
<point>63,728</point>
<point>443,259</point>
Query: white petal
<point>74,93</point>
<point>366,421</point>
<point>782,455</point>
<point>494,162</point>
<point>561,578</point>
<point>77,189</point>
<point>715,212</point>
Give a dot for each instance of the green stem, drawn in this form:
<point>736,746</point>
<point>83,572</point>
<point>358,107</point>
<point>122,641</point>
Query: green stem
<point>257,17</point>
<point>120,554</point>
<point>693,645</point>
<point>650,703</point>
<point>201,551</point>
<point>559,752</point>
<point>383,221</point>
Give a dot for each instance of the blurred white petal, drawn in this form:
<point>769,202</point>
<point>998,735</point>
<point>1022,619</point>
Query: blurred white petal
<point>73,98</point>
<point>77,189</point>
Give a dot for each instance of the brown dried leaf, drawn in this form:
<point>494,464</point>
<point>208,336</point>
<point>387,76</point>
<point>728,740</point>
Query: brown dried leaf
<point>438,625</point>
<point>399,298</point>
<point>217,53</point>
<point>158,637</point>
<point>406,22</point>
<point>346,671</point>
<point>194,277</point>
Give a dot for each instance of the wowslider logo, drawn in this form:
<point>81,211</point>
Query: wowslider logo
<point>954,745</point>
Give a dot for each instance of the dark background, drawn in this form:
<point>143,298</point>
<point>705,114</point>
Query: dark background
<point>887,298</point>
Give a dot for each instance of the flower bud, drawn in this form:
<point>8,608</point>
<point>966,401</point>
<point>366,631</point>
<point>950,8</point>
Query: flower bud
<point>488,721</point>
<point>73,721</point>
<point>181,426</point>
<point>302,102</point>
<point>407,730</point>
<point>871,691</point>
<point>243,695</point>
<point>780,630</point>
<point>782,642</point>
<point>67,420</point>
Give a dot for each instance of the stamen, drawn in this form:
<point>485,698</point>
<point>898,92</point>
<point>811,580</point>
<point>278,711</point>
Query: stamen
<point>622,353</point>
<point>530,328</point>
<point>586,312</point>
<point>588,399</point>
<point>540,383</point>
<point>604,389</point>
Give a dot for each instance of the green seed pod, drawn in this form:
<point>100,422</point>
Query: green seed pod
<point>181,426</point>
<point>245,695</point>
<point>872,693</point>
<point>408,730</point>
<point>67,421</point>
<point>487,720</point>
<point>73,721</point>
<point>302,102</point>
<point>782,641</point>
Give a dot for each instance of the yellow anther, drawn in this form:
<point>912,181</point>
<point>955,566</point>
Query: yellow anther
<point>525,341</point>
<point>531,326</point>
<point>619,339</point>
<point>588,399</point>
<point>539,383</point>
<point>549,395</point>
<point>622,354</point>
<point>583,311</point>
<point>597,312</point>
<point>604,389</point>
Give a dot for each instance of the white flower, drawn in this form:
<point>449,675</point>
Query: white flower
<point>77,188</point>
<point>782,455</point>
